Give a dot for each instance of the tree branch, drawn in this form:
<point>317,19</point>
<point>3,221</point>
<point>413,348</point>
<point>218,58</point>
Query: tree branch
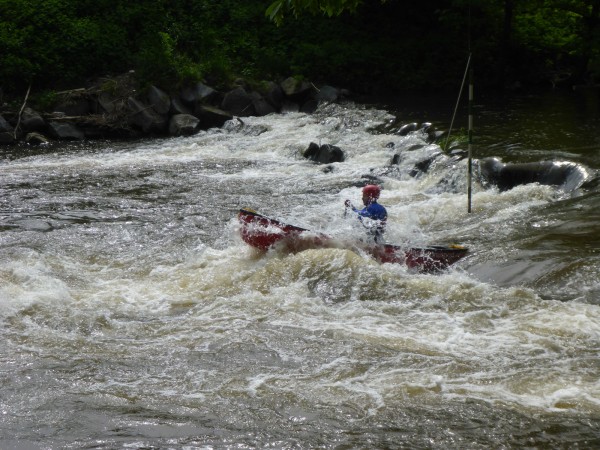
<point>21,111</point>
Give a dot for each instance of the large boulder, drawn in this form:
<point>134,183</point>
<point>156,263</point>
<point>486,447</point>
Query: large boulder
<point>65,131</point>
<point>506,176</point>
<point>198,93</point>
<point>273,94</point>
<point>238,102</point>
<point>183,125</point>
<point>7,138</point>
<point>261,106</point>
<point>159,100</point>
<point>324,154</point>
<point>35,138</point>
<point>328,94</point>
<point>210,116</point>
<point>32,121</point>
<point>5,126</point>
<point>309,106</point>
<point>407,128</point>
<point>293,87</point>
<point>145,118</point>
<point>424,165</point>
<point>288,106</point>
<point>178,107</point>
<point>7,134</point>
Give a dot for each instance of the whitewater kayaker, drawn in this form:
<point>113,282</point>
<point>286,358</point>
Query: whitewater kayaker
<point>373,216</point>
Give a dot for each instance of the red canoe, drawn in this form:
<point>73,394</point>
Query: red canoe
<point>263,233</point>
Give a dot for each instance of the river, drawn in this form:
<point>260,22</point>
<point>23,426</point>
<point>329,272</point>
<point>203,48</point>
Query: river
<point>132,315</point>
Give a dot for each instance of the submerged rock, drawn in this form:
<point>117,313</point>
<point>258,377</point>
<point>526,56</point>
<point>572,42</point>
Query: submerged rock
<point>568,175</point>
<point>324,154</point>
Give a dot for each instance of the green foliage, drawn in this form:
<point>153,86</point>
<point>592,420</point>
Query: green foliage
<point>45,43</point>
<point>155,58</point>
<point>553,32</point>
<point>45,100</point>
<point>459,139</point>
<point>276,11</point>
<point>361,44</point>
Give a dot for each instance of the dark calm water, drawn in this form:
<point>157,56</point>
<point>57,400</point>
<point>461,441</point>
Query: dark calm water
<point>133,316</point>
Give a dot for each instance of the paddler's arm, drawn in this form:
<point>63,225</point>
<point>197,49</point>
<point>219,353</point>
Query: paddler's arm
<point>365,212</point>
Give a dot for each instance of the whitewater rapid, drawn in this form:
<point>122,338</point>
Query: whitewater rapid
<point>132,314</point>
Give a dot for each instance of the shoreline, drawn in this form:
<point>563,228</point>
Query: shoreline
<point>116,108</point>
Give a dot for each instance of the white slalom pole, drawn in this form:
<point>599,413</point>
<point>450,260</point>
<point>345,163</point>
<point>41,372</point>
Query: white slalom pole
<point>470,151</point>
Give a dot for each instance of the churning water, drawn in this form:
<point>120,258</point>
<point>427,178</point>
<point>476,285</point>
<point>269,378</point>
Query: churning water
<point>132,315</point>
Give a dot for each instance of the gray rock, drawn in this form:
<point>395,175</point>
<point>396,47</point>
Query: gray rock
<point>5,126</point>
<point>34,138</point>
<point>289,107</point>
<point>309,106</point>
<point>183,125</point>
<point>7,138</point>
<point>197,93</point>
<point>238,102</point>
<point>32,121</point>
<point>145,118</point>
<point>261,106</point>
<point>292,86</point>
<point>66,131</point>
<point>204,92</point>
<point>506,176</point>
<point>159,100</point>
<point>330,154</point>
<point>178,107</point>
<point>423,166</point>
<point>273,94</point>
<point>405,129</point>
<point>328,94</point>
<point>210,116</point>
<point>324,154</point>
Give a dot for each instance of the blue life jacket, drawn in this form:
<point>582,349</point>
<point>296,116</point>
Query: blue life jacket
<point>378,214</point>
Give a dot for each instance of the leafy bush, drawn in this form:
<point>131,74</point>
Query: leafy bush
<point>60,43</point>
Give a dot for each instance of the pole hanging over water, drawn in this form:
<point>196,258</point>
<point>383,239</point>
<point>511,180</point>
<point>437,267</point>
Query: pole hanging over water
<point>468,70</point>
<point>470,145</point>
<point>470,131</point>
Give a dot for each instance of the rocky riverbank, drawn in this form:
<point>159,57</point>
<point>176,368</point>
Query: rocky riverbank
<point>117,108</point>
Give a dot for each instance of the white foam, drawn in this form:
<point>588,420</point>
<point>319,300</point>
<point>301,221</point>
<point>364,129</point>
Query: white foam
<point>330,312</point>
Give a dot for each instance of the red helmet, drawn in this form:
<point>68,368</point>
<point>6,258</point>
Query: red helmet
<point>372,191</point>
